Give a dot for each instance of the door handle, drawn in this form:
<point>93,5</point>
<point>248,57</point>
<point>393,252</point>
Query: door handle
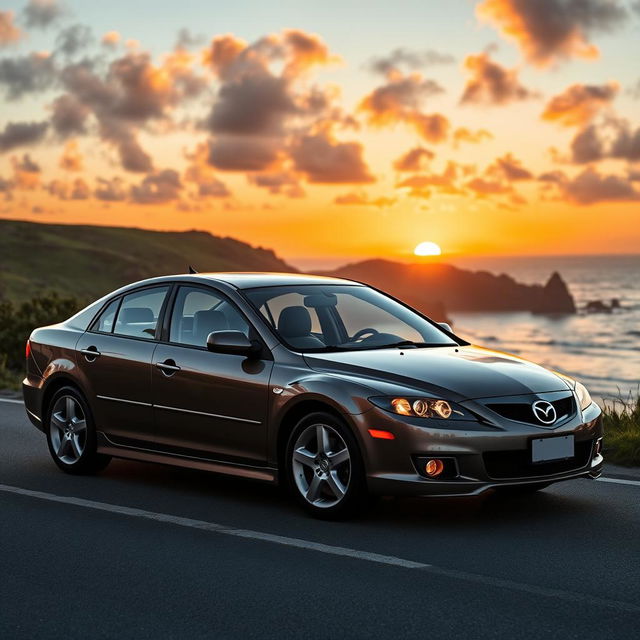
<point>90,353</point>
<point>168,367</point>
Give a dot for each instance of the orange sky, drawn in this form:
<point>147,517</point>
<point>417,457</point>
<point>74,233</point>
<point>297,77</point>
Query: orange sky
<point>515,139</point>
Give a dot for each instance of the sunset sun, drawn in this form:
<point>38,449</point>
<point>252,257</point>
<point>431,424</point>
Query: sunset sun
<point>427,249</point>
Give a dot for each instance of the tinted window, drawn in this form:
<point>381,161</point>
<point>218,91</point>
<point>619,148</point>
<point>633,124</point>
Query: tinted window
<point>198,312</point>
<point>104,323</point>
<point>139,313</point>
<point>342,317</point>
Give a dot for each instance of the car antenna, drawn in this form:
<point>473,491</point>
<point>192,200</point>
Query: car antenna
<point>192,270</point>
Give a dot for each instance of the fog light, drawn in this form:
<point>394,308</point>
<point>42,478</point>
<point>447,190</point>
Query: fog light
<point>434,467</point>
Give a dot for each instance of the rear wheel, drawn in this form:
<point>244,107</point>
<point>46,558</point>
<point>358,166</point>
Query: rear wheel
<point>324,467</point>
<point>71,434</point>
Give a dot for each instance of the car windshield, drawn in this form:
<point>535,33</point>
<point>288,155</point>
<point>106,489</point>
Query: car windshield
<point>315,318</point>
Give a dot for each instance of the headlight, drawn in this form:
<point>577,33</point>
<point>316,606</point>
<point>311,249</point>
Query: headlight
<point>583,396</point>
<point>421,407</point>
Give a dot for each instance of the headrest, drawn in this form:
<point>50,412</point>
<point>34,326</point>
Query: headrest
<point>135,314</point>
<point>206,321</point>
<point>294,322</point>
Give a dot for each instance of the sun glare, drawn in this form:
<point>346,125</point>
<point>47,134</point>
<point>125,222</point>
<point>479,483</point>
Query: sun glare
<point>427,249</point>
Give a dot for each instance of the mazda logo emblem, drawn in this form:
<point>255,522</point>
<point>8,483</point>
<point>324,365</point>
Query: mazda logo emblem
<point>544,411</point>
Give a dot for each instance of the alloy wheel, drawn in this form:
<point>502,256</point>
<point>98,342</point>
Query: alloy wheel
<point>68,430</point>
<point>321,465</point>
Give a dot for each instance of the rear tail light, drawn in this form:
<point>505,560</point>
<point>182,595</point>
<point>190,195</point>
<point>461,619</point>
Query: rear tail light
<point>27,349</point>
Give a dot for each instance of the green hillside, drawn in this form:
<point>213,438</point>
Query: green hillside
<point>88,261</point>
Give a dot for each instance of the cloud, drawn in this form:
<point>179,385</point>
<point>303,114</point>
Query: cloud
<point>110,190</point>
<point>188,40</point>
<point>158,188</point>
<point>489,83</point>
<point>73,39</point>
<point>361,199</point>
<point>547,31</point>
<point>237,153</point>
<point>411,59</point>
<point>579,104</point>
<point>78,189</point>
<point>40,14</point>
<point>415,159</point>
<point>254,105</point>
<point>26,172</point>
<point>487,187</point>
<point>9,33</point>
<point>22,75</point>
<point>420,185</point>
<point>110,39</point>
<point>283,182</point>
<point>327,161</point>
<point>462,134</point>
<point>71,158</point>
<point>587,146</point>
<point>200,173</point>
<point>626,145</point>
<point>400,101</point>
<point>590,187</point>
<point>69,115</point>
<point>19,134</point>
<point>131,94</point>
<point>509,168</point>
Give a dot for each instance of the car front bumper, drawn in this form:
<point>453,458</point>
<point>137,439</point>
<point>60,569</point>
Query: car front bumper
<point>485,458</point>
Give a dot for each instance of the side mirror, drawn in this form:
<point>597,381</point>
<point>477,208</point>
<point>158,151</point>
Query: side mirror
<point>232,342</point>
<point>446,326</point>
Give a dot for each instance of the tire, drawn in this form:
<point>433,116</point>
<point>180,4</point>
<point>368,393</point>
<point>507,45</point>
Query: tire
<point>71,434</point>
<point>326,479</point>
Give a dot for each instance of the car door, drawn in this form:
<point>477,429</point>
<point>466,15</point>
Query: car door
<point>114,356</point>
<point>209,404</point>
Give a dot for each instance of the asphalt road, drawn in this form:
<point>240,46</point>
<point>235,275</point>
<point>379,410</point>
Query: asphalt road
<point>146,551</point>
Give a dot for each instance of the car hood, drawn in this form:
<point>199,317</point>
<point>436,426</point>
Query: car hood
<point>468,372</point>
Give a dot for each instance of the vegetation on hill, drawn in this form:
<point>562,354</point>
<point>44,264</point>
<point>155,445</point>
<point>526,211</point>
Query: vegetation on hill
<point>88,261</point>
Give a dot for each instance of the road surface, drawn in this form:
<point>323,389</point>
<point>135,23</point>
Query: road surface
<point>146,551</point>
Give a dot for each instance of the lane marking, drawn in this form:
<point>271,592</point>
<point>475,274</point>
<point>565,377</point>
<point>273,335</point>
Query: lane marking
<point>635,483</point>
<point>309,545</point>
<point>217,528</point>
<point>11,400</point>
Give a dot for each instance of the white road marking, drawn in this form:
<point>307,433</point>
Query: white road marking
<point>217,528</point>
<point>11,400</point>
<point>308,545</point>
<point>635,483</point>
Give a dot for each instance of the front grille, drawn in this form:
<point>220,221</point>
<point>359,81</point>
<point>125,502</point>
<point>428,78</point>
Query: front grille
<point>523,411</point>
<point>517,463</point>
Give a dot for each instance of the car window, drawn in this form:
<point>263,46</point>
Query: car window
<point>139,313</point>
<point>104,323</point>
<point>197,312</point>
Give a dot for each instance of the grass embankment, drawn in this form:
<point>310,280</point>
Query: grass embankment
<point>622,431</point>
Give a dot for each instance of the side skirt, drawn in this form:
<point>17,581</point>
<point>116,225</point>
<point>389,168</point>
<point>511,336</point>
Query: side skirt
<point>148,454</point>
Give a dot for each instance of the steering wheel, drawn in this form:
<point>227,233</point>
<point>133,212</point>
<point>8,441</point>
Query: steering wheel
<point>358,335</point>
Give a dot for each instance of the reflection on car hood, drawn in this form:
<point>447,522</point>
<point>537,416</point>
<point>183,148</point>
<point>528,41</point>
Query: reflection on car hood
<point>468,372</point>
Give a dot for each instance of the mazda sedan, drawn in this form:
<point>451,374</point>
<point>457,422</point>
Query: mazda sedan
<point>328,386</point>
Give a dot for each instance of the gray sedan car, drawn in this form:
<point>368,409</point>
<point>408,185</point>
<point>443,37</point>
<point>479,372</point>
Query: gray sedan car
<point>327,386</point>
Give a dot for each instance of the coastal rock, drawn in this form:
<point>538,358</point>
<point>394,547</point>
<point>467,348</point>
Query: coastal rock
<point>437,288</point>
<point>598,306</point>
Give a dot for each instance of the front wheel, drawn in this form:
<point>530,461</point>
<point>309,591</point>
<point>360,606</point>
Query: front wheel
<point>71,435</point>
<point>324,467</point>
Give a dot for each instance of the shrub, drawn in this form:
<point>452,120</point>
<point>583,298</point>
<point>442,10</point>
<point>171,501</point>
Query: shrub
<point>622,430</point>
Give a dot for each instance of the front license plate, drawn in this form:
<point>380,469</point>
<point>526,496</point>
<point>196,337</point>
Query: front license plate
<point>545,449</point>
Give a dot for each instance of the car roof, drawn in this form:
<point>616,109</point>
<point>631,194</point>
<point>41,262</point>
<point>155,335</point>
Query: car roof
<point>243,279</point>
<point>249,280</point>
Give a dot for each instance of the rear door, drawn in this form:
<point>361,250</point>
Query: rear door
<point>115,359</point>
<point>209,403</point>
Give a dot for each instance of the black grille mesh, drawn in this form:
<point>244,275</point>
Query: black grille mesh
<point>523,411</point>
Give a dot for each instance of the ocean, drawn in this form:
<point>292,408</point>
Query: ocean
<point>601,350</point>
